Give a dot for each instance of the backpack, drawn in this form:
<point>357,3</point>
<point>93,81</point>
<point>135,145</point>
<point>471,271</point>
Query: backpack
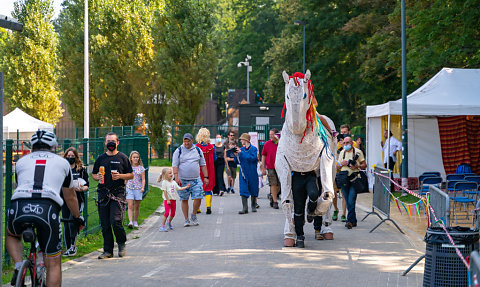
<point>196,147</point>
<point>464,168</point>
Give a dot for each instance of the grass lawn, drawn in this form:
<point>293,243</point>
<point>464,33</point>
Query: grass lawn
<point>405,199</point>
<point>160,162</point>
<point>94,241</point>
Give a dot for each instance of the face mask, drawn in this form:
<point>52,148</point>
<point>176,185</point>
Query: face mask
<point>111,146</point>
<point>71,160</point>
<point>218,140</point>
<point>347,147</point>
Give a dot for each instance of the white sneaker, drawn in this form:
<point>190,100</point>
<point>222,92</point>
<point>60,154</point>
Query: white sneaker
<point>130,225</point>
<point>187,223</point>
<point>194,220</point>
<point>135,224</point>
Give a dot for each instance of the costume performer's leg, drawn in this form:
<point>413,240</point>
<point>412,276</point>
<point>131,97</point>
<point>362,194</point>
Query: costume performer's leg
<point>303,186</point>
<point>208,201</point>
<point>285,177</point>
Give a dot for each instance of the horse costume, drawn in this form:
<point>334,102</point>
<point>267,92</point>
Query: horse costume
<point>302,151</point>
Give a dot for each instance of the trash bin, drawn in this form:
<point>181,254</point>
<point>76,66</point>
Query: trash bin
<point>443,267</point>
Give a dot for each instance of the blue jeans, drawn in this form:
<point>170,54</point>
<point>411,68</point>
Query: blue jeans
<point>350,196</point>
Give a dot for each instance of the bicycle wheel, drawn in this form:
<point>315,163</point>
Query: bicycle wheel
<point>25,274</point>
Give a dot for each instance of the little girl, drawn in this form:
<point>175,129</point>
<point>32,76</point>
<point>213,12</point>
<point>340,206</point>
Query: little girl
<point>170,196</point>
<point>135,188</point>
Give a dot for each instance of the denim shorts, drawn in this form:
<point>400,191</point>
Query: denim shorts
<point>195,189</point>
<point>134,194</point>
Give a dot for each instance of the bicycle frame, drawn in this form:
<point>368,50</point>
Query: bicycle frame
<point>29,235</point>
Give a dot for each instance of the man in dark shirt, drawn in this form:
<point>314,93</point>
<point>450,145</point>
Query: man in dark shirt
<point>111,169</point>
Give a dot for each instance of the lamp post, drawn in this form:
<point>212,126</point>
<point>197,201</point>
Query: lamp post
<point>404,100</point>
<point>249,69</point>
<point>86,73</point>
<point>298,22</point>
<point>12,24</point>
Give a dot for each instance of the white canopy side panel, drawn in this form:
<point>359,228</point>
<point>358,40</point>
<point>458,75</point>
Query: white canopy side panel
<point>424,149</point>
<point>374,149</point>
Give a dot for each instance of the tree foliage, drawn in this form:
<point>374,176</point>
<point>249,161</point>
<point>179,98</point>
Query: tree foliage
<point>354,52</point>
<point>186,59</point>
<point>29,61</point>
<point>121,59</point>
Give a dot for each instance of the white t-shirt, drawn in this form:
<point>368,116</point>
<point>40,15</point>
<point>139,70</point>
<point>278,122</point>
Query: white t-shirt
<point>395,145</point>
<point>171,188</point>
<point>42,174</point>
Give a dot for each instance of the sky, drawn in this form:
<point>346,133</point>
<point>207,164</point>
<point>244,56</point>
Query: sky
<point>6,7</point>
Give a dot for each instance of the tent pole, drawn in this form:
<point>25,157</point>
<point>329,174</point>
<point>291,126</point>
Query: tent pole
<point>388,138</point>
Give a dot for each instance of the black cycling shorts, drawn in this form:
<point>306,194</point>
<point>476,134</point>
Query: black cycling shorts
<point>44,215</point>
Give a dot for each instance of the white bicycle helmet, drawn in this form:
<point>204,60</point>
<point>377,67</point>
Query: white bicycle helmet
<point>44,137</point>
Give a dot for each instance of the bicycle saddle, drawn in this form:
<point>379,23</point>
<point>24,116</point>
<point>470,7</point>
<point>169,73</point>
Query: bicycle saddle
<point>28,234</point>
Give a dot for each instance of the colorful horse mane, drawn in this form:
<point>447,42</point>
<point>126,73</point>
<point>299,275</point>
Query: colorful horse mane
<point>311,115</point>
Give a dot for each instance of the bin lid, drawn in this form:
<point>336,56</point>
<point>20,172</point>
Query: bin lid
<point>459,234</point>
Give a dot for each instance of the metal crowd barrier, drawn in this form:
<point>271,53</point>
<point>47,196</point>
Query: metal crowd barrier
<point>474,268</point>
<point>381,198</point>
<point>440,203</point>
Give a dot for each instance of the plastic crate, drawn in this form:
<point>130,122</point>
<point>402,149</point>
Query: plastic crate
<point>443,267</point>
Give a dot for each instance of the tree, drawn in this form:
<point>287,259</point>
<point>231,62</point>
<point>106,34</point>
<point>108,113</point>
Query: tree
<point>30,60</point>
<point>244,27</point>
<point>186,59</point>
<point>121,59</point>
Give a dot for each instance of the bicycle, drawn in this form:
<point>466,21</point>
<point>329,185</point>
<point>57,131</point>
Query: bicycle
<point>37,275</point>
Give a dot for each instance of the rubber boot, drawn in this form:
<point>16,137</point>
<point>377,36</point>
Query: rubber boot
<point>254,204</point>
<point>208,201</point>
<point>245,205</point>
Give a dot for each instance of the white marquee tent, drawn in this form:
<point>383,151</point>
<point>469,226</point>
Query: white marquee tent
<point>24,123</point>
<point>451,92</point>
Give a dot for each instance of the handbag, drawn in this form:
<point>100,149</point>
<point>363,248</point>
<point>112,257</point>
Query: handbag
<point>342,179</point>
<point>359,181</point>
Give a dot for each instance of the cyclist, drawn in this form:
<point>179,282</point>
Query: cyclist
<point>40,177</point>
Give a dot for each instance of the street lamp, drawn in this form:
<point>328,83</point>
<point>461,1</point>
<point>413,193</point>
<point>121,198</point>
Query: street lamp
<point>249,69</point>
<point>298,22</point>
<point>12,24</point>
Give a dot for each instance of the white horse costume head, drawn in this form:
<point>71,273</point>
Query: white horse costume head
<point>299,99</point>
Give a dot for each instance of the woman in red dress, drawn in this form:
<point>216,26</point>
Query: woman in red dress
<point>203,142</point>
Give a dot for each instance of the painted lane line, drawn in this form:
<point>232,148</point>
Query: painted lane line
<point>153,272</point>
<point>219,220</point>
<point>217,232</point>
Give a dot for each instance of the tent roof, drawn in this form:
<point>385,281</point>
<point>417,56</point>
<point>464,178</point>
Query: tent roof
<point>451,92</point>
<point>23,122</point>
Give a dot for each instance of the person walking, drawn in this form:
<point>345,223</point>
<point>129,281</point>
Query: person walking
<point>80,185</point>
<point>351,159</point>
<point>231,166</point>
<point>219,188</point>
<point>203,143</point>
<point>170,196</point>
<point>247,158</point>
<point>269,154</point>
<point>135,188</point>
<point>112,169</point>
<point>187,161</point>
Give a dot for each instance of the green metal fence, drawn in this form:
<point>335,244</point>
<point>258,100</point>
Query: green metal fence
<point>96,132</point>
<point>89,150</point>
